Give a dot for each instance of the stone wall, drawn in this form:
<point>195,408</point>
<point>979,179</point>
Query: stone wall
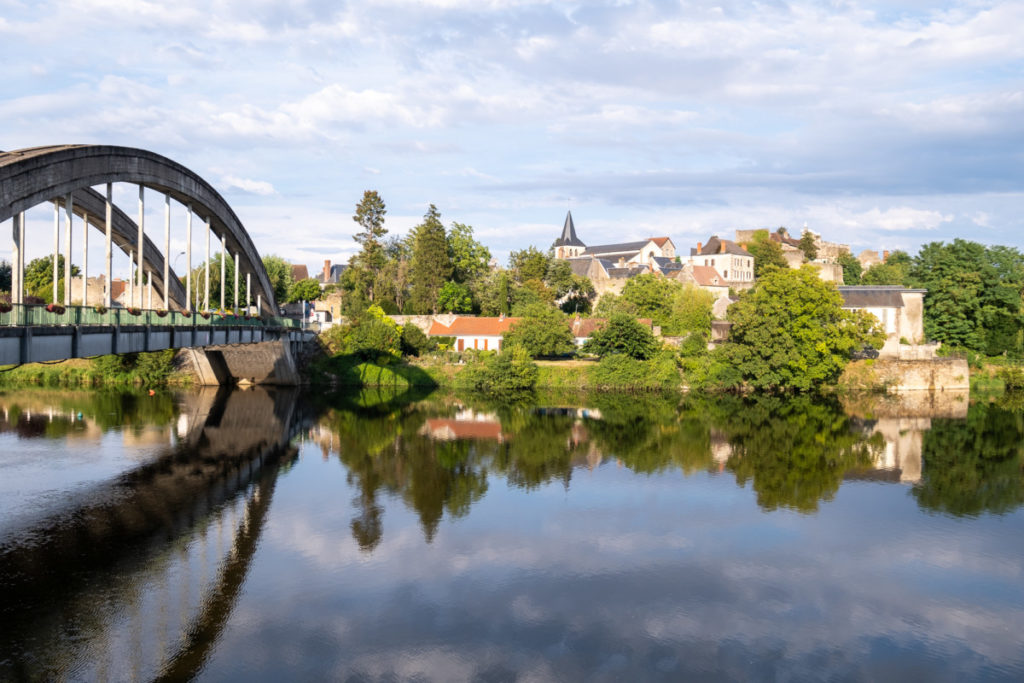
<point>938,374</point>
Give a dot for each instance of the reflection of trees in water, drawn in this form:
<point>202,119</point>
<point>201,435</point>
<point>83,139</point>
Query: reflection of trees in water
<point>975,465</point>
<point>107,409</point>
<point>794,451</point>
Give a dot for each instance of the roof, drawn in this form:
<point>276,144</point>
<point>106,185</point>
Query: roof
<point>714,246</point>
<point>660,241</point>
<point>707,276</point>
<point>568,237</point>
<point>580,266</point>
<point>584,327</point>
<point>623,248</point>
<point>335,275</point>
<point>784,239</point>
<point>472,326</point>
<point>449,429</point>
<point>667,265</point>
<point>867,296</point>
<point>299,272</point>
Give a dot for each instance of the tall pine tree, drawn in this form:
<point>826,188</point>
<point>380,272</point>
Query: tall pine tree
<point>431,266</point>
<point>371,259</point>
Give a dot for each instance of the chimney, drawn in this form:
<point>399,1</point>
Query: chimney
<point>885,256</point>
<point>327,270</point>
<point>721,247</point>
<point>622,262</point>
<point>699,246</point>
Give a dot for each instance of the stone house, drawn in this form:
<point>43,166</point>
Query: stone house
<point>733,262</point>
<point>899,309</point>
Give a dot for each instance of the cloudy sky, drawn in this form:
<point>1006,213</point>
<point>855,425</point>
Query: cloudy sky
<point>881,125</point>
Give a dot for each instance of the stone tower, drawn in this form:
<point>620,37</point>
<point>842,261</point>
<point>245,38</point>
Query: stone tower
<point>568,245</point>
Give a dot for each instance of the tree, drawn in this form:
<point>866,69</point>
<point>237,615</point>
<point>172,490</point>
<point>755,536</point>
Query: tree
<point>623,334</point>
<point>470,259</point>
<point>279,272</point>
<point>808,245</point>
<point>543,331</point>
<point>652,295</point>
<point>454,298</point>
<point>494,293</point>
<point>528,264</point>
<point>5,276</point>
<point>851,268</point>
<point>305,290</point>
<point>39,278</point>
<point>791,333</point>
<point>691,312</point>
<point>767,254</point>
<point>369,216</point>
<point>431,267</point>
<point>610,304</point>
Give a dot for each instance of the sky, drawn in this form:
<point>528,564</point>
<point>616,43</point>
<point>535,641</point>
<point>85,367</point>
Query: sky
<point>879,125</point>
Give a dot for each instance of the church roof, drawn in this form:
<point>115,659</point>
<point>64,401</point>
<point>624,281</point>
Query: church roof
<point>622,248</point>
<point>569,238</point>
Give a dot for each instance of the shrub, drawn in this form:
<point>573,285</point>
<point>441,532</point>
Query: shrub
<point>500,374</point>
<point>622,335</point>
<point>414,341</point>
<point>544,331</point>
<point>620,371</point>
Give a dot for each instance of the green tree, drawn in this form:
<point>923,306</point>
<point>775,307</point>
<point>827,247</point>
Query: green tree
<point>494,293</point>
<point>808,246</point>
<point>470,259</point>
<point>622,334</point>
<point>528,264</point>
<point>39,278</point>
<point>653,296</point>
<point>5,276</point>
<point>501,374</point>
<point>791,333</point>
<point>370,212</point>
<point>279,272</point>
<point>454,298</point>
<point>767,254</point>
<point>611,304</point>
<point>199,287</point>
<point>851,268</point>
<point>305,290</point>
<point>691,312</point>
<point>431,267</point>
<point>543,331</point>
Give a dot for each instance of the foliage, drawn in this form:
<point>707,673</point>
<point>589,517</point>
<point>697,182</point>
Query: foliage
<point>5,276</point>
<point>851,268</point>
<point>370,260</point>
<point>791,333</point>
<point>652,295</point>
<point>470,259</point>
<point>623,372</point>
<point>304,290</point>
<point>575,292</point>
<point>530,295</point>
<point>528,264</point>
<point>611,304</point>
<point>808,246</point>
<point>767,254</point>
<point>974,295</point>
<point>500,374</point>
<point>622,335</point>
<point>39,278</point>
<point>415,341</point>
<point>494,293</point>
<point>279,272</point>
<point>454,298</point>
<point>691,312</point>
<point>543,331</point>
<point>372,334</point>
<point>431,266</point>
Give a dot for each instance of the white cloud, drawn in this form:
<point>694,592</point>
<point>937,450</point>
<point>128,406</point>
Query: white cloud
<point>260,187</point>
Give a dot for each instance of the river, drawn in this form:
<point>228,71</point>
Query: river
<point>273,535</point>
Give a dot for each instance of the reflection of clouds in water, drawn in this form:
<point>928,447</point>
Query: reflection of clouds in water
<point>558,588</point>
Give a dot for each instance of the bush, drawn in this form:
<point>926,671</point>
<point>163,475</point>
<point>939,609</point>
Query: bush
<point>544,331</point>
<point>1013,377</point>
<point>619,371</point>
<point>414,341</point>
<point>622,335</point>
<point>500,374</point>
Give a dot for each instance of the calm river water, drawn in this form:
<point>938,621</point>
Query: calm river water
<point>265,535</point>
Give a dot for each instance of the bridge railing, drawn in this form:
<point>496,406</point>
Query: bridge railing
<point>33,314</point>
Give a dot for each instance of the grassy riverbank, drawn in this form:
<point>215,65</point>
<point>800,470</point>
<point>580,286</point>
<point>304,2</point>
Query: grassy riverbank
<point>133,369</point>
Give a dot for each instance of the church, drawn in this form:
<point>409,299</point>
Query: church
<point>609,265</point>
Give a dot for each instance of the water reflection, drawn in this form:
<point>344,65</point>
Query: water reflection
<point>136,579</point>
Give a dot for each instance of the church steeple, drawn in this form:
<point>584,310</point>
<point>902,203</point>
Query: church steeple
<point>568,245</point>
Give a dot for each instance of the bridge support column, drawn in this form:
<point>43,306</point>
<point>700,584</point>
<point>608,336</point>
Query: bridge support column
<point>206,298</point>
<point>140,253</point>
<point>56,247</point>
<point>17,258</point>
<point>259,363</point>
<point>109,237</point>
<point>167,252</point>
<point>236,284</point>
<point>85,259</point>
<point>223,268</point>
<point>69,213</point>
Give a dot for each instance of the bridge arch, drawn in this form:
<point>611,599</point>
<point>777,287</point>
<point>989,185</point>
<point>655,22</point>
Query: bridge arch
<point>32,176</point>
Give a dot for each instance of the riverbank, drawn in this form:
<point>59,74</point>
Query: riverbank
<point>159,368</point>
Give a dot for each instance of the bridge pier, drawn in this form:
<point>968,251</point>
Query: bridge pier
<point>257,363</point>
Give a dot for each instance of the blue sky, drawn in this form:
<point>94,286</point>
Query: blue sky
<point>881,125</point>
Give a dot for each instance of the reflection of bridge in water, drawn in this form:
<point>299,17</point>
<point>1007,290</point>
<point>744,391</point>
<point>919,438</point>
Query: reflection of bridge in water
<point>138,581</point>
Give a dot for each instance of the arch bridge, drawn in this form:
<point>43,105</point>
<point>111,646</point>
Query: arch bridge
<point>66,176</point>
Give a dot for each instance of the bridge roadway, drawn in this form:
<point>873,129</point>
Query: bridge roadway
<point>223,349</point>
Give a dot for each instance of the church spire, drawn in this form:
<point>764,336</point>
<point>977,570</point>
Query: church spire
<point>569,238</point>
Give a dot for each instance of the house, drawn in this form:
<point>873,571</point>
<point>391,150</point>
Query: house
<point>299,272</point>
<point>705,277</point>
<point>735,263</point>
<point>472,332</point>
<point>330,275</point>
<point>606,275</point>
<point>899,309</point>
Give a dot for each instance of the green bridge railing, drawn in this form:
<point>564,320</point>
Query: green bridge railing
<point>32,314</point>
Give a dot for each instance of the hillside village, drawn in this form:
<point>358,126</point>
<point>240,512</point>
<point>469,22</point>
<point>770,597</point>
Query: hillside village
<point>723,267</point>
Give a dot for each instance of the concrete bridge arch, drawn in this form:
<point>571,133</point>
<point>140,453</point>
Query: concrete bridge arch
<point>32,176</point>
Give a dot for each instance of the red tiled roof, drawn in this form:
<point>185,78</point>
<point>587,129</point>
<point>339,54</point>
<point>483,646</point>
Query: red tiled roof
<point>584,327</point>
<point>707,276</point>
<point>299,272</point>
<point>470,326</point>
<point>441,428</point>
<point>660,241</point>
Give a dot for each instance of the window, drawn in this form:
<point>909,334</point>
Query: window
<point>726,275</point>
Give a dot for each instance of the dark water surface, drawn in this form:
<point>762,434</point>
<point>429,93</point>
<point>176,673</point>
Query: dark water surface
<point>266,535</point>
